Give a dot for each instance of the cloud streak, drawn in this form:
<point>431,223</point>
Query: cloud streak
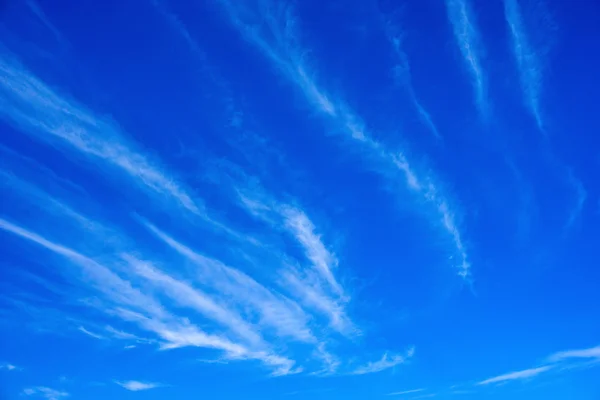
<point>467,38</point>
<point>45,392</point>
<point>131,305</point>
<point>526,58</point>
<point>518,375</point>
<point>136,386</point>
<point>286,57</point>
<point>405,392</point>
<point>402,74</point>
<point>386,362</point>
<point>35,108</point>
<point>590,353</point>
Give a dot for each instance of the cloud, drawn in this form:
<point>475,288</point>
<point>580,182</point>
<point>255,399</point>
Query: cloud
<point>402,74</point>
<point>149,314</point>
<point>581,197</point>
<point>323,260</point>
<point>9,367</point>
<point>467,38</point>
<point>37,109</point>
<point>287,57</point>
<point>275,311</point>
<point>386,362</point>
<point>593,352</point>
<point>136,386</point>
<point>316,288</point>
<point>406,392</point>
<point>518,375</point>
<point>91,334</point>
<point>526,57</point>
<point>45,392</point>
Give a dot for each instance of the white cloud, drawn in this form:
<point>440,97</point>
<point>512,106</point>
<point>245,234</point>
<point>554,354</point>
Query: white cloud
<point>528,64</point>
<point>91,334</point>
<point>593,352</point>
<point>467,38</point>
<point>150,315</point>
<point>45,392</point>
<point>518,375</point>
<point>288,58</point>
<point>276,311</point>
<point>402,74</point>
<point>304,231</point>
<point>581,197</point>
<point>9,367</point>
<point>42,112</point>
<point>386,362</point>
<point>136,386</point>
<point>405,392</point>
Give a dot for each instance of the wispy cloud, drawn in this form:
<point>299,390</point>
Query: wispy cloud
<point>526,57</point>
<point>34,107</point>
<point>402,74</point>
<point>91,334</point>
<point>303,230</point>
<point>9,367</point>
<point>518,375</point>
<point>405,392</point>
<point>287,57</point>
<point>136,386</point>
<point>591,353</point>
<point>43,18</point>
<point>45,392</point>
<point>276,311</point>
<point>580,198</point>
<point>131,305</point>
<point>386,362</point>
<point>317,288</point>
<point>467,38</point>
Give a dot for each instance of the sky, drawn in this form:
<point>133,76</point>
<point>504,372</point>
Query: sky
<point>267,199</point>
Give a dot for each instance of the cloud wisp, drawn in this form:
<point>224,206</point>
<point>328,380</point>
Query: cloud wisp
<point>590,353</point>
<point>562,360</point>
<point>136,386</point>
<point>9,367</point>
<point>146,312</point>
<point>405,392</point>
<point>517,375</point>
<point>386,362</point>
<point>33,107</point>
<point>402,75</point>
<point>45,392</point>
<point>526,58</point>
<point>581,197</point>
<point>467,38</point>
<point>287,57</point>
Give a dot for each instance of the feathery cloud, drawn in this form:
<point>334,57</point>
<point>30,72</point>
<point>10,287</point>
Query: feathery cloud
<point>136,386</point>
<point>406,392</point>
<point>467,38</point>
<point>518,375</point>
<point>9,367</point>
<point>402,74</point>
<point>526,57</point>
<point>45,392</point>
<point>581,197</point>
<point>149,315</point>
<point>91,334</point>
<point>287,58</point>
<point>386,362</point>
<point>593,353</point>
<point>37,109</point>
<point>276,311</point>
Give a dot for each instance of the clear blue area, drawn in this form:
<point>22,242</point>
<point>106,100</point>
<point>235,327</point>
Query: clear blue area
<point>225,199</point>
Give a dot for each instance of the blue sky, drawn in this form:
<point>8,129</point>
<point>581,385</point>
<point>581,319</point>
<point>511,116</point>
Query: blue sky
<point>290,200</point>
